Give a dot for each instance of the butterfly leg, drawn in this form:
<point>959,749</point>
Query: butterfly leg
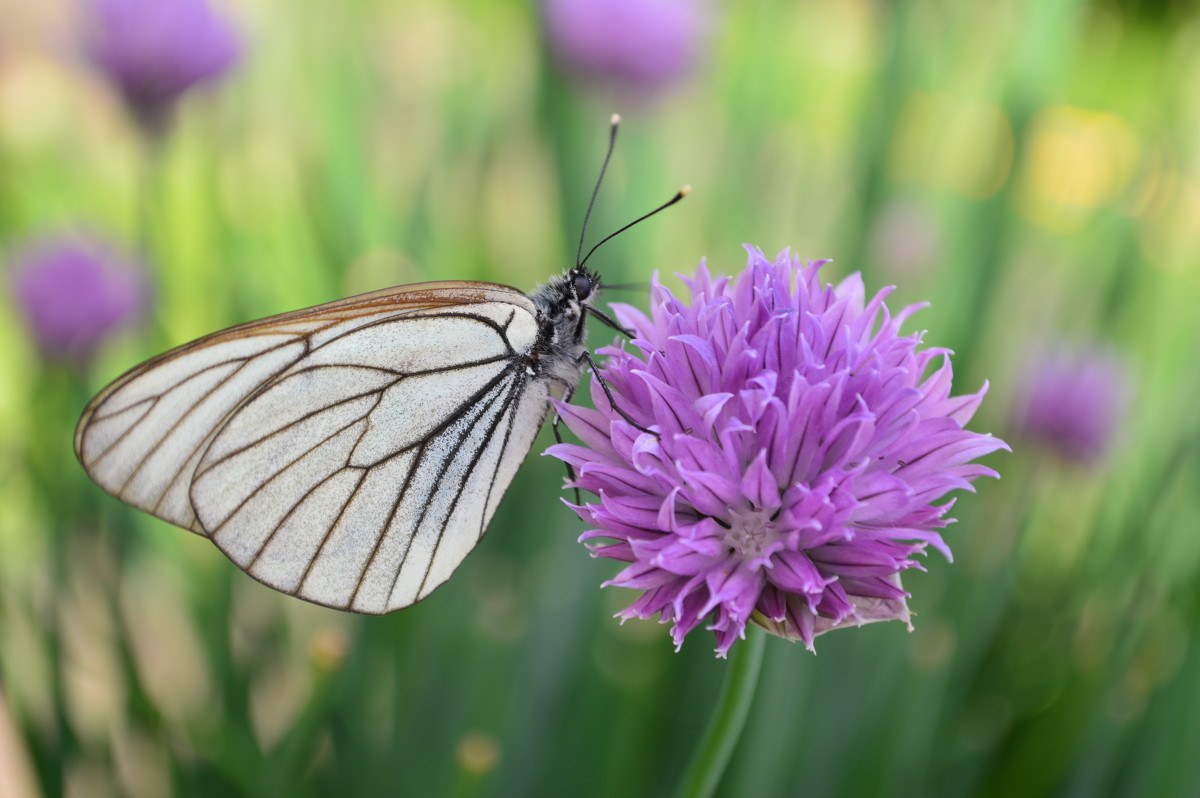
<point>570,392</point>
<point>607,392</point>
<point>608,320</point>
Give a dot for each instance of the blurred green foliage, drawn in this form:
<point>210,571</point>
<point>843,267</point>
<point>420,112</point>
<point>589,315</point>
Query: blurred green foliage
<point>1031,167</point>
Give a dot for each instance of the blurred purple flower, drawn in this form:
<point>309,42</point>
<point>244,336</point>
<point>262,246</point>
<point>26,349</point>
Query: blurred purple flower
<point>1071,400</point>
<point>155,50</point>
<point>74,292</point>
<point>799,448</point>
<point>634,47</point>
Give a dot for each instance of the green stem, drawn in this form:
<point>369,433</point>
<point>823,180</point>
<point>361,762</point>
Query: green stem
<point>150,161</point>
<point>713,753</point>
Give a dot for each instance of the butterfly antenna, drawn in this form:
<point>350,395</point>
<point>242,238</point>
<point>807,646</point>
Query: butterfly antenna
<point>683,192</point>
<point>614,122</point>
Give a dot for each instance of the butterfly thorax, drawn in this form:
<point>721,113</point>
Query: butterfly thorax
<point>557,354</point>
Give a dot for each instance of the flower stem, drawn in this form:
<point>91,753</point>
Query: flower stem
<point>150,160</point>
<point>729,716</point>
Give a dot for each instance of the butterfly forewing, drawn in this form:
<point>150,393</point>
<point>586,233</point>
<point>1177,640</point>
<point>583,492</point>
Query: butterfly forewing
<point>351,454</point>
<point>141,439</point>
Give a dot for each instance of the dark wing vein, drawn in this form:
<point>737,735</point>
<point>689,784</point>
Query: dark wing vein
<point>452,417</point>
<point>388,521</point>
<point>153,400</point>
<point>191,409</point>
<point>97,417</point>
<point>192,376</point>
<point>482,320</point>
<point>440,429</point>
<point>416,313</point>
<point>362,474</point>
<point>457,366</point>
<point>408,482</point>
<point>299,420</point>
<point>467,472</point>
<point>433,490</point>
<point>500,458</point>
<point>284,519</point>
<point>183,463</point>
<point>446,462</point>
<point>288,467</point>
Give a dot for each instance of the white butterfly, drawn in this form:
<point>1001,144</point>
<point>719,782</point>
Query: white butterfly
<point>352,453</point>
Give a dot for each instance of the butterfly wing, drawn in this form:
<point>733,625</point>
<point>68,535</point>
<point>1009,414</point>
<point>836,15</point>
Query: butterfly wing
<point>350,454</point>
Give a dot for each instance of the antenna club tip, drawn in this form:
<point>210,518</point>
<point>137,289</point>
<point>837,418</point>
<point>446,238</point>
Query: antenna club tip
<point>614,120</point>
<point>685,189</point>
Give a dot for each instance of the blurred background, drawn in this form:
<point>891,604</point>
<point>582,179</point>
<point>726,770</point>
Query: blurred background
<point>1031,167</point>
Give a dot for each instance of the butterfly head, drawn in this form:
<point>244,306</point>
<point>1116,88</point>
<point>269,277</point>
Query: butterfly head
<point>561,304</point>
<point>584,283</point>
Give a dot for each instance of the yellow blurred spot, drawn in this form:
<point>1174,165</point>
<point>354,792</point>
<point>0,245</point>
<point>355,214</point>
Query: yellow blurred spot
<point>1127,698</point>
<point>35,101</point>
<point>961,146</point>
<point>1060,534</point>
<point>1094,635</point>
<point>25,659</point>
<point>16,769</point>
<point>1150,187</point>
<point>1078,160</point>
<point>984,721</point>
<point>89,778</point>
<point>379,268</point>
<point>253,187</point>
<point>501,616</point>
<point>277,697</point>
<point>420,46</point>
<point>477,752</point>
<point>932,646</point>
<point>639,630</point>
<point>500,611</point>
<point>255,618</point>
<point>1168,232</point>
<point>520,225</point>
<point>329,646</point>
<point>92,675</point>
<point>1163,648</point>
<point>165,643</point>
<point>629,663</point>
<point>143,764</point>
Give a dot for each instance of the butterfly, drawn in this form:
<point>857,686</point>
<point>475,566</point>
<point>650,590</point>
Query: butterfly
<point>352,453</point>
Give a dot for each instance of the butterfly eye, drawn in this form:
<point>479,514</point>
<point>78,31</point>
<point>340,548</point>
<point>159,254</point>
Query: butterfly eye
<point>583,286</point>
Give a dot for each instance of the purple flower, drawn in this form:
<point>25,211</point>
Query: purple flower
<point>634,47</point>
<point>795,452</point>
<point>155,50</point>
<point>74,293</point>
<point>1070,401</point>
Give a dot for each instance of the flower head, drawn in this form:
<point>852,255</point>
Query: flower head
<point>155,50</point>
<point>634,47</point>
<point>796,445</point>
<point>1070,401</point>
<point>74,293</point>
